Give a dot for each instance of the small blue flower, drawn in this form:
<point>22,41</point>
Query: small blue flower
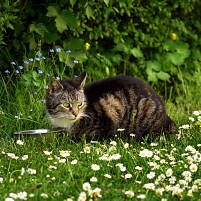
<point>58,49</point>
<point>7,71</point>
<point>75,61</point>
<point>37,59</point>
<point>17,71</point>
<point>48,74</point>
<point>39,55</point>
<point>13,63</point>
<point>40,71</point>
<point>43,58</point>
<point>20,67</point>
<point>58,78</point>
<point>44,101</point>
<point>45,87</point>
<point>68,51</point>
<point>31,59</point>
<point>51,50</point>
<point>26,62</point>
<point>75,76</point>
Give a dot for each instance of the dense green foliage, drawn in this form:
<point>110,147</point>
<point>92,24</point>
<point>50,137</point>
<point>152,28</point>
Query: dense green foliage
<point>154,40</point>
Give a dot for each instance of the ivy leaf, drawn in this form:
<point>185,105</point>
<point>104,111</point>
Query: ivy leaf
<point>137,53</point>
<point>52,11</point>
<point>163,76</point>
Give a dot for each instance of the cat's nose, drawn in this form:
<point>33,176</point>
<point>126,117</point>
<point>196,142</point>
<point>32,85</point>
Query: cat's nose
<point>75,113</point>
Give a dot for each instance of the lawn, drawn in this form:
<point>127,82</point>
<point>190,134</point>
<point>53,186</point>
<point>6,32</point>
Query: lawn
<point>166,169</point>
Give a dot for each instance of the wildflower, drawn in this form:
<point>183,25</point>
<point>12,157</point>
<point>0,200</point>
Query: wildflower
<point>116,156</point>
<point>159,191</point>
<point>95,167</point>
<point>141,196</point>
<point>48,74</point>
<point>13,195</point>
<point>191,119</point>
<point>120,129</point>
<point>13,63</point>
<point>19,142</point>
<point>87,150</point>
<point>52,167</point>
<point>82,197</point>
<point>31,195</point>
<point>190,193</point>
<point>63,160</point>
<point>153,144</point>
<point>146,153</point>
<point>113,143</point>
<point>75,61</point>
<point>151,175</point>
<point>196,113</point>
<point>31,59</point>
<point>26,62</point>
<point>112,149</point>
<point>138,168</point>
<point>31,171</point>
<point>195,188</point>
<point>39,55</point>
<point>68,51</point>
<point>93,179</point>
<point>86,186</point>
<point>20,67</point>
<point>73,162</point>
<point>47,152</point>
<point>22,195</point>
<point>128,176</point>
<point>186,126</point>
<point>43,101</point>
<point>64,153</point>
<point>191,149</point>
<point>122,168</point>
<point>37,59</point>
<point>87,46</point>
<point>51,50</point>
<point>95,193</point>
<point>40,71</point>
<point>1,179</point>
<point>22,171</point>
<point>58,78</point>
<point>9,199</point>
<point>193,168</point>
<point>7,71</point>
<point>149,186</point>
<point>186,174</point>
<point>172,180</point>
<point>169,172</point>
<point>129,193</point>
<point>107,176</point>
<point>17,71</point>
<point>58,49</point>
<point>25,157</point>
<point>126,145</point>
<point>44,195</point>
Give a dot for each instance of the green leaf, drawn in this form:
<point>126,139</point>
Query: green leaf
<point>38,28</point>
<point>73,2</point>
<point>176,58</point>
<point>152,77</point>
<point>182,48</point>
<point>51,37</point>
<point>74,44</point>
<point>71,20</point>
<point>163,76</point>
<point>169,45</point>
<point>52,11</point>
<point>154,65</point>
<point>89,12</point>
<point>61,23</point>
<point>136,53</point>
<point>106,2</point>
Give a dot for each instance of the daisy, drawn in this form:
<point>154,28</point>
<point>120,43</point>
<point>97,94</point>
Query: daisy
<point>73,162</point>
<point>44,195</point>
<point>193,167</point>
<point>128,176</point>
<point>47,152</point>
<point>19,142</point>
<point>107,176</point>
<point>93,179</point>
<point>151,175</point>
<point>129,193</point>
<point>95,167</point>
<point>25,157</point>
<point>87,150</point>
<point>169,172</point>
<point>86,186</point>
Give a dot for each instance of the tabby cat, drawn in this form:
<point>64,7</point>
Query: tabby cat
<point>99,109</point>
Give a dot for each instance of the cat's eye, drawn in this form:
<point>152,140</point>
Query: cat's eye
<point>79,104</point>
<point>66,105</point>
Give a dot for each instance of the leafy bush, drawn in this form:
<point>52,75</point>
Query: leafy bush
<point>155,40</point>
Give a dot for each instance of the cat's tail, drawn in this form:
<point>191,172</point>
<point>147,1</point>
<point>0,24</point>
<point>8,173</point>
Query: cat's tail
<point>170,127</point>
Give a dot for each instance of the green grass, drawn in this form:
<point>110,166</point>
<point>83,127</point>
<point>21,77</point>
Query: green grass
<point>64,170</point>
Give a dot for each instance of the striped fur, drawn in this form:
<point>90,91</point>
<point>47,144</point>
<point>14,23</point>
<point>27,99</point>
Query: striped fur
<point>99,109</point>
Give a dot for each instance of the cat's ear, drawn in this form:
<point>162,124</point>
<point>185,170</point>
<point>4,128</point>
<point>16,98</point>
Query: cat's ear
<point>80,80</point>
<point>54,85</point>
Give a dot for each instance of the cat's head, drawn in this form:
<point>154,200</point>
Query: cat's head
<point>65,101</point>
